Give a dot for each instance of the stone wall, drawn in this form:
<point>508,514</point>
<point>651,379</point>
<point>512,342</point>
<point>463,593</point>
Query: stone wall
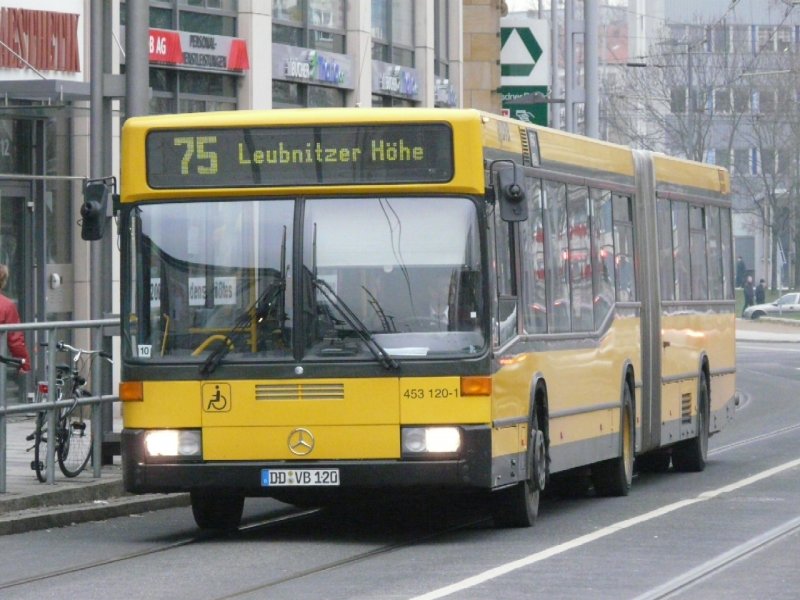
<point>482,54</point>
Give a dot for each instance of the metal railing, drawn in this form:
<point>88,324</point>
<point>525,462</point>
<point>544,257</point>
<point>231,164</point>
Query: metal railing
<point>51,331</point>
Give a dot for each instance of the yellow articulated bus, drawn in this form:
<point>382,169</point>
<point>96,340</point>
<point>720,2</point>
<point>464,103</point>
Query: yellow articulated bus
<point>322,303</point>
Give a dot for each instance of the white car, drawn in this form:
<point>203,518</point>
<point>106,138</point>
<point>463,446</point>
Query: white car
<point>788,304</point>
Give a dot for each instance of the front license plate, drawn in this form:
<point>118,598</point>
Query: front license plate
<point>299,477</point>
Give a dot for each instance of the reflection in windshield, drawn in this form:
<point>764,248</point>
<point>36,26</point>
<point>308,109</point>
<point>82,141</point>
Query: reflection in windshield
<point>408,267</point>
<point>213,281</point>
<point>202,276</point>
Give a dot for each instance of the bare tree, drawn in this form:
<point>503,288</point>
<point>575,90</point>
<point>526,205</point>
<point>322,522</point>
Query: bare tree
<point>679,98</point>
<point>773,129</point>
<point>702,93</point>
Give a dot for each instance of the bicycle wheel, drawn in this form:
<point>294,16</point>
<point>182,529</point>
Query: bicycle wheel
<point>74,440</point>
<point>39,463</point>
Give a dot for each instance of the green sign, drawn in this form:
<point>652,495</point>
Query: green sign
<point>530,44</point>
<point>526,103</point>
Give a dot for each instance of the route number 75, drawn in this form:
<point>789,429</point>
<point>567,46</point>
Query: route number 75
<point>195,148</point>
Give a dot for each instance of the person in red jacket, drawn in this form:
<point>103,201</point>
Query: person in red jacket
<point>9,315</point>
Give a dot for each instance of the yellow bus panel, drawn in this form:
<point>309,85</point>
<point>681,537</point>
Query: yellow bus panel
<point>166,404</point>
<point>585,426</point>
<point>352,442</point>
<point>509,440</point>
<point>438,400</point>
<point>310,402</point>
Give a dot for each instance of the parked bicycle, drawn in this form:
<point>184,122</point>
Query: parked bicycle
<point>73,439</point>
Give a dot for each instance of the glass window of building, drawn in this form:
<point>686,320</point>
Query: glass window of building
<point>179,90</point>
<point>191,91</point>
<point>318,24</point>
<point>441,40</point>
<point>216,17</point>
<point>288,94</point>
<point>384,101</point>
<point>393,32</point>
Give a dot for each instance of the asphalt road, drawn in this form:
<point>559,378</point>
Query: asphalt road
<point>731,532</point>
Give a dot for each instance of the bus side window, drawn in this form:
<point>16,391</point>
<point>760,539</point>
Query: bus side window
<point>533,266</point>
<point>680,245</point>
<point>698,252</point>
<point>603,272</point>
<point>666,256</point>
<point>715,257</point>
<point>579,265</point>
<point>556,256</point>
<point>623,248</point>
<point>506,290</point>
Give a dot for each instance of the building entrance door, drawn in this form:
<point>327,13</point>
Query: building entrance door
<point>16,252</point>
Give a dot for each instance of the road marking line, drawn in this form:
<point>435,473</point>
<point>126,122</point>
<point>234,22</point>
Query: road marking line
<point>531,559</point>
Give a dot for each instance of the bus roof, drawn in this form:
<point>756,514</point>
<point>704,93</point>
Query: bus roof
<point>476,136</point>
<point>467,171</point>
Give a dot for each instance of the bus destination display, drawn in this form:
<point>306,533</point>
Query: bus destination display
<point>292,156</point>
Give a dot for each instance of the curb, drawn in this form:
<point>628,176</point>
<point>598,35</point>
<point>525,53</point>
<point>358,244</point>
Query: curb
<point>88,492</point>
<point>781,321</point>
<point>45,517</point>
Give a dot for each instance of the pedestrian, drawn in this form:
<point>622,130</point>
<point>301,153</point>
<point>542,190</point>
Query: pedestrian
<point>741,271</point>
<point>748,293</point>
<point>760,292</point>
<point>9,315</point>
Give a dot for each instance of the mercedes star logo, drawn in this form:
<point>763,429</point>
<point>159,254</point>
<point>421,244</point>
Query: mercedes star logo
<point>301,442</point>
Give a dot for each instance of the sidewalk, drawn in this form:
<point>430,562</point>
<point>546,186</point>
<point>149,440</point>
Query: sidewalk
<point>768,329</point>
<point>28,505</point>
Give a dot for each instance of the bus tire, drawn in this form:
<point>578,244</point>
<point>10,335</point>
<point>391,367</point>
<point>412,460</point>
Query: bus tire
<point>217,509</point>
<point>690,456</point>
<point>518,505</point>
<point>613,477</point>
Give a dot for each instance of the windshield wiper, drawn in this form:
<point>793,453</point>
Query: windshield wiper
<point>348,315</point>
<point>258,311</point>
<point>387,321</point>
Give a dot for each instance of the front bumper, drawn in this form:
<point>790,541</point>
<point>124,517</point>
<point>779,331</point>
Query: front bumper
<point>471,469</point>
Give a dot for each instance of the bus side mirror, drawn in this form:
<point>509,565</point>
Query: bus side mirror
<point>94,210</point>
<point>513,202</point>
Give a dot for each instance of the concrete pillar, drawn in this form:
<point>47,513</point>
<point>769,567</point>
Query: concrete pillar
<point>423,50</point>
<point>455,38</point>
<point>255,25</point>
<point>359,46</point>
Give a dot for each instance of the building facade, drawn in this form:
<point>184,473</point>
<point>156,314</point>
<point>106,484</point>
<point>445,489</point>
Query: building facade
<point>204,55</point>
<point>725,75</point>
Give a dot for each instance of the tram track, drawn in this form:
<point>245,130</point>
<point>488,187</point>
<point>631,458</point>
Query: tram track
<point>289,516</point>
<point>350,560</point>
<point>755,439</point>
<point>298,515</point>
<point>255,526</point>
<point>721,562</point>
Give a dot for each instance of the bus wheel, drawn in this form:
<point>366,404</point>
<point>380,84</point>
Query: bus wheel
<point>690,456</point>
<point>518,505</point>
<point>217,510</point>
<point>613,477</point>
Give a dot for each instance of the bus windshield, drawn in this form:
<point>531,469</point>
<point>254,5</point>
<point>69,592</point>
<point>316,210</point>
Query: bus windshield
<point>216,279</point>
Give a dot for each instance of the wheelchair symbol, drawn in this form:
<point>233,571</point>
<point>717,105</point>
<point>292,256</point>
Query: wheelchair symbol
<point>216,397</point>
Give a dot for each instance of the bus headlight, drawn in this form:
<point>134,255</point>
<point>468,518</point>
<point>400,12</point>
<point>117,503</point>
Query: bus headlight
<point>173,442</point>
<point>435,440</point>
